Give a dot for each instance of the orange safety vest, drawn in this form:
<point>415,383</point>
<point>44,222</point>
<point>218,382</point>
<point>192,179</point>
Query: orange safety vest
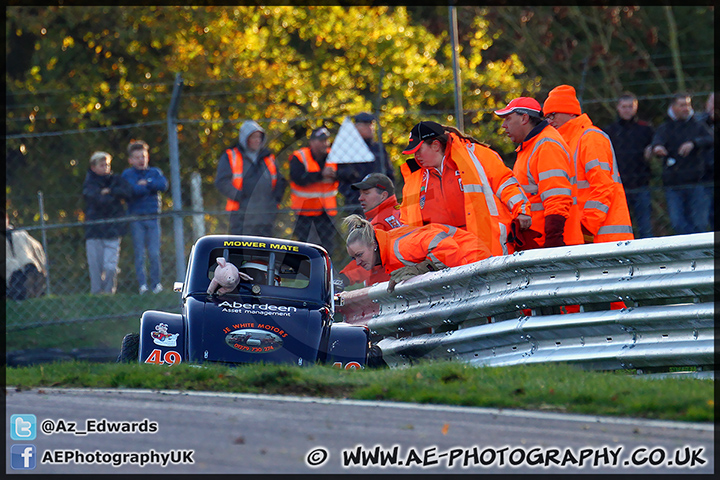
<point>601,196</point>
<point>311,200</point>
<point>492,194</point>
<point>446,246</point>
<point>236,165</point>
<point>546,174</point>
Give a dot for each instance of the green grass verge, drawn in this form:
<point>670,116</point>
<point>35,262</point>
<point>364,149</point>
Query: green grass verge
<point>81,331</point>
<point>552,387</point>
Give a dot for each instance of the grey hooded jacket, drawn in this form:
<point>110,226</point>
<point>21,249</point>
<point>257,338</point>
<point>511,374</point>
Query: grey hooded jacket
<point>257,195</point>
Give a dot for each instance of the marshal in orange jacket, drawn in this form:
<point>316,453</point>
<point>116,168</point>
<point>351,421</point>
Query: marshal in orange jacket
<point>492,195</point>
<point>445,246</point>
<point>314,198</point>
<point>600,193</point>
<point>546,175</point>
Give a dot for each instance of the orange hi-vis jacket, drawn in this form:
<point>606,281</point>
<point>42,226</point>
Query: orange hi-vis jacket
<point>310,200</point>
<point>236,165</point>
<point>492,195</point>
<point>385,216</point>
<point>601,196</point>
<point>546,174</point>
<point>445,246</point>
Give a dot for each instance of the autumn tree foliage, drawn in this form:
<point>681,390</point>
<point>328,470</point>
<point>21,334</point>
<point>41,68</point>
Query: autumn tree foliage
<point>79,69</point>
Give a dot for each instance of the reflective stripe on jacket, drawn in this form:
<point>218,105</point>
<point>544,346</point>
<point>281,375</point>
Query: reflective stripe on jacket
<point>236,165</point>
<point>492,194</point>
<point>600,193</point>
<point>546,174</point>
<point>312,199</point>
<point>445,246</point>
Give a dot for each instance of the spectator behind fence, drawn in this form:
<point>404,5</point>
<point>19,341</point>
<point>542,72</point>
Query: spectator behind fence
<point>456,180</point>
<point>379,203</point>
<point>147,184</point>
<point>405,252</point>
<point>545,173</point>
<point>350,173</point>
<point>25,271</point>
<point>708,119</point>
<point>105,194</point>
<point>604,215</point>
<point>631,138</point>
<point>314,189</point>
<point>679,142</point>
<point>247,174</point>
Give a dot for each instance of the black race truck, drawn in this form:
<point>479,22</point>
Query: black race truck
<point>283,315</point>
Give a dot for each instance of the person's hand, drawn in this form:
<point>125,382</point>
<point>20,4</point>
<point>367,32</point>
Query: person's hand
<point>329,175</point>
<point>524,221</point>
<point>660,151</point>
<point>648,152</point>
<point>686,148</point>
<point>522,239</point>
<point>554,230</point>
<point>408,272</point>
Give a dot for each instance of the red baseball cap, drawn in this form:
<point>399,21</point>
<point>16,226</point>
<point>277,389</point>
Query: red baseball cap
<point>521,105</point>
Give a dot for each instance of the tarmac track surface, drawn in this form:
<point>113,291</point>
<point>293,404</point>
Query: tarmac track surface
<point>252,434</point>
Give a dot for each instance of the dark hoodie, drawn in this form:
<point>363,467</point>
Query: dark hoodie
<point>110,205</point>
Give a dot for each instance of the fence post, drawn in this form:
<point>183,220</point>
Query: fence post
<point>197,204</point>
<point>378,110</point>
<point>41,202</point>
<point>175,182</point>
<point>460,120</point>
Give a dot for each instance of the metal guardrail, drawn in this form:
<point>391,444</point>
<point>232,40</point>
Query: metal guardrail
<point>476,313</point>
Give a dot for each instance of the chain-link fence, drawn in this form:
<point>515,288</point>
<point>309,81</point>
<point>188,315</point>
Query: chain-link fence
<point>52,212</point>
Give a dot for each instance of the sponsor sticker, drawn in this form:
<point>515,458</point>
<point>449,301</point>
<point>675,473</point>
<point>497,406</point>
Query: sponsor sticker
<point>252,340</point>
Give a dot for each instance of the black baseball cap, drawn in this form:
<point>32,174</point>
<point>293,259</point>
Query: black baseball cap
<point>320,133</point>
<point>375,180</point>
<point>364,117</point>
<point>420,132</point>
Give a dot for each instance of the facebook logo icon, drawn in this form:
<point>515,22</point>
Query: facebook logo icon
<point>22,427</point>
<point>22,457</point>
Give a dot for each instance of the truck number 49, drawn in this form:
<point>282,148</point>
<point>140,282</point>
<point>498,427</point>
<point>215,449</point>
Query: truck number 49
<point>156,357</point>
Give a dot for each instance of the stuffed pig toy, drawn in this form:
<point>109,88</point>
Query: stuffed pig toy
<point>226,277</point>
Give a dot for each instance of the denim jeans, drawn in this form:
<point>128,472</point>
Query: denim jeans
<point>102,257</point>
<point>688,207</point>
<point>146,236</point>
<point>640,209</point>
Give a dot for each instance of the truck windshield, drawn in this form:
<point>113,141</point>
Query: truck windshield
<point>291,270</point>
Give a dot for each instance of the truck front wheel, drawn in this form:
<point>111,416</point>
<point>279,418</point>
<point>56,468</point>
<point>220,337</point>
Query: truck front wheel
<point>129,350</point>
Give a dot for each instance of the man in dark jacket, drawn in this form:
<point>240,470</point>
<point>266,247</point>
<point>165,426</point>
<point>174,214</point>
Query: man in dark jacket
<point>147,184</point>
<point>631,140</point>
<point>248,175</point>
<point>680,142</point>
<point>105,194</point>
<point>350,173</point>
